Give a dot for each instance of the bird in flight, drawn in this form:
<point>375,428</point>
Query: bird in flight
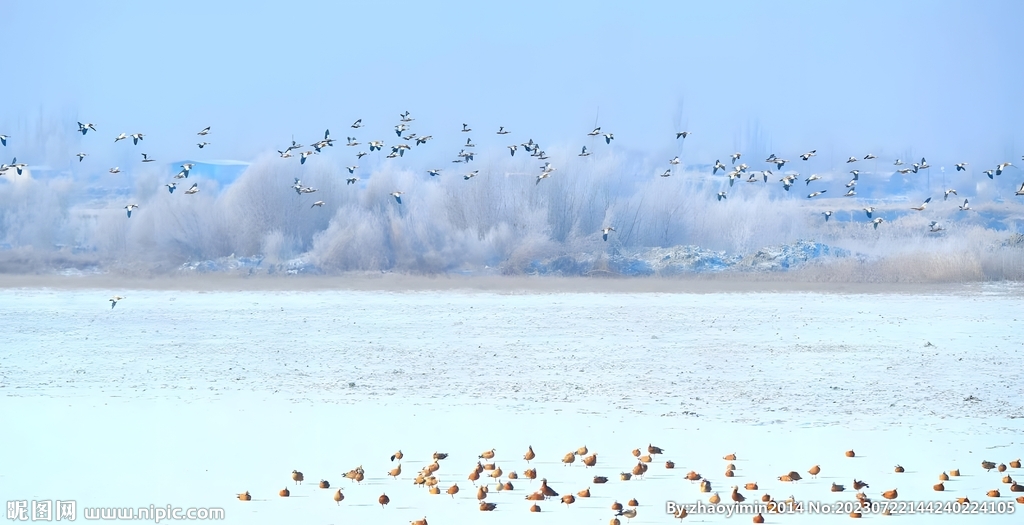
<point>202,144</point>
<point>171,187</point>
<point>84,128</point>
<point>145,158</point>
<point>398,196</point>
<point>193,190</point>
<point>204,131</point>
<point>131,207</point>
<point>113,301</point>
<point>81,156</point>
<point>120,137</point>
<point>501,130</point>
<point>683,134</point>
<point>136,137</point>
<point>604,232</point>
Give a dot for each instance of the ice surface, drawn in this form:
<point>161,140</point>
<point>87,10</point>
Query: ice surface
<point>189,398</point>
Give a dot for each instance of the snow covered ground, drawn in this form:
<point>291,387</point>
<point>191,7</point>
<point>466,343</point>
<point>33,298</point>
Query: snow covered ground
<point>188,398</point>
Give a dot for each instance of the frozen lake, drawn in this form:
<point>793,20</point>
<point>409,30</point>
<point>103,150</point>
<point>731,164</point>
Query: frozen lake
<point>188,398</point>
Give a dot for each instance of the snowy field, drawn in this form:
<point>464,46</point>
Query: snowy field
<point>187,398</point>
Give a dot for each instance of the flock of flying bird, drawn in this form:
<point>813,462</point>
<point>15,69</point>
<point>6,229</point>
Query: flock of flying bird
<point>487,470</point>
<point>467,154</point>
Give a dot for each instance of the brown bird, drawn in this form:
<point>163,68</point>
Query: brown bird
<point>1014,487</point>
<point>530,473</point>
<point>994,493</point>
<point>1015,463</point>
<point>636,452</point>
<point>730,466</point>
<point>568,499</point>
<point>814,471</point>
<point>628,513</point>
<point>473,476</point>
<point>681,513</point>
<point>751,486</point>
<point>434,490</point>
<point>614,521</point>
<point>785,477</point>
<point>729,474</point>
<point>534,508</point>
<point>988,465</point>
<point>529,454</point>
<point>481,492</point>
<point>324,484</point>
<point>963,500</point>
<point>590,460</point>
<point>395,472</point>
<point>513,475</point>
<point>714,499</point>
<point>497,473</point>
<point>1001,468</point>
<point>856,514</point>
<point>507,486</point>
<point>245,496</point>
<point>705,486</point>
<point>938,487</point>
<point>488,454</point>
<point>420,479</point>
<point>1007,480</point>
<point>837,488</point>
<point>766,497</point>
<point>898,469</point>
<point>625,476</point>
<point>439,456</point>
<point>1020,499</point>
<point>383,500</point>
<point>651,449</point>
<point>453,490</point>
<point>890,494</point>
<point>536,496</point>
<point>585,493</point>
<point>569,458</point>
<point>284,493</point>
<point>943,477</point>
<point>736,496</point>
<point>359,476</point>
<point>433,467</point>
<point>638,470</point>
<point>857,485</point>
<point>633,503</point>
<point>582,451</point>
<point>759,518</point>
<point>338,496</point>
<point>487,507</point>
<point>730,457</point>
<point>646,458</point>
<point>670,464</point>
<point>397,455</point>
<point>545,489</point>
<point>616,506</point>
<point>954,472</point>
<point>795,476</point>
<point>850,454</point>
<point>419,522</point>
<point>297,477</point>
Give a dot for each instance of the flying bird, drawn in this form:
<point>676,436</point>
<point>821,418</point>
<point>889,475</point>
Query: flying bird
<point>405,117</point>
<point>674,161</point>
<point>204,131</point>
<point>84,128</point>
<point>317,203</point>
<point>171,187</point>
<point>898,162</point>
<point>304,155</point>
<point>946,194</point>
<point>115,169</point>
<point>668,173</point>
<point>922,206</point>
<point>470,175</point>
<point>145,158</point>
<point>185,168</point>
<point>735,156</point>
<point>869,157</point>
<point>398,196</point>
<point>683,134</point>
<point>113,301</point>
<point>827,214</point>
<point>202,144</point>
<point>809,154</point>
<point>962,166</point>
<point>604,232</point>
<point>877,221</point>
<point>584,153</point>
<point>812,178</point>
<point>718,166</point>
<point>815,194</point>
<point>351,180</point>
<point>934,227</point>
<point>608,137</point>
<point>1001,167</point>
<point>869,210</point>
<point>501,130</point>
<point>596,132</point>
<point>965,206</point>
<point>851,159</point>
<point>434,173</point>
<point>193,190</point>
<point>120,137</point>
<point>131,207</point>
<point>1020,191</point>
<point>136,137</point>
<point>721,195</point>
<point>466,128</point>
<point>351,169</point>
<point>81,156</point>
<point>358,123</point>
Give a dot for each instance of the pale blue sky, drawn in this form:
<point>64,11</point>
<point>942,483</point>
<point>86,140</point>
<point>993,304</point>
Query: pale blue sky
<point>938,78</point>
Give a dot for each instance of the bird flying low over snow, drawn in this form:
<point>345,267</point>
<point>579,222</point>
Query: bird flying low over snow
<point>398,196</point>
<point>877,221</point>
<point>470,175</point>
<point>869,210</point>
<point>869,157</point>
<point>735,156</point>
<point>1020,191</point>
<point>304,155</point>
<point>193,190</point>
<point>965,206</point>
<point>851,159</point>
<point>674,161</point>
<point>131,207</point>
<point>204,131</point>
<point>934,227</point>
<point>596,132</point>
<point>113,301</point>
<point>668,173</point>
<point>604,232</point>
<point>1001,167</point>
<point>850,193</point>
<point>584,152</point>
<point>815,194</point>
<point>812,178</point>
<point>827,214</point>
<point>721,195</point>
<point>779,163</point>
<point>466,128</point>
<point>898,162</point>
<point>947,193</point>
<point>718,166</point>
